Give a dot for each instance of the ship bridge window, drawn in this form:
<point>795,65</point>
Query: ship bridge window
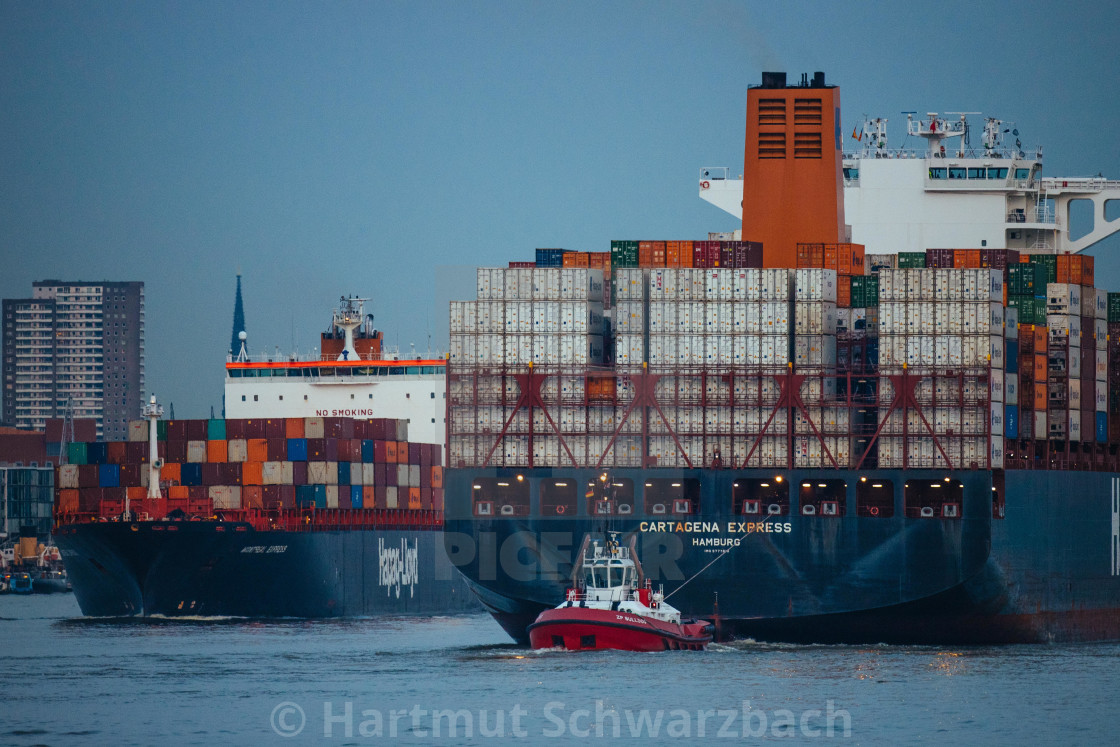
<point>769,497</point>
<point>672,496</point>
<point>937,173</point>
<point>396,370</point>
<point>933,499</point>
<point>957,172</point>
<point>500,496</point>
<point>608,496</point>
<point>977,173</point>
<point>295,372</point>
<point>1022,173</point>
<point>325,372</point>
<point>997,173</point>
<point>875,498</point>
<point>851,173</point>
<point>822,497</point>
<point>558,497</point>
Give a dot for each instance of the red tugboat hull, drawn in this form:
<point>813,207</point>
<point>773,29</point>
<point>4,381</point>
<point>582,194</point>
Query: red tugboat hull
<point>587,629</point>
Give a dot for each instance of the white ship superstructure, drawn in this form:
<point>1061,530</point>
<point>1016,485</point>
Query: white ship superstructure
<point>951,192</point>
<point>361,382</point>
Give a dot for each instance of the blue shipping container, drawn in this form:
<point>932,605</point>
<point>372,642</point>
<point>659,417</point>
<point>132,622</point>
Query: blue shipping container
<point>297,449</point>
<point>367,451</point>
<point>311,495</point>
<point>1011,356</point>
<point>1011,421</point>
<point>1102,427</point>
<point>216,430</point>
<point>109,476</point>
<point>355,496</point>
<point>190,473</point>
<point>344,473</point>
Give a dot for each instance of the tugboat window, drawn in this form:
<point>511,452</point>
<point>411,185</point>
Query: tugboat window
<point>672,496</point>
<point>608,496</point>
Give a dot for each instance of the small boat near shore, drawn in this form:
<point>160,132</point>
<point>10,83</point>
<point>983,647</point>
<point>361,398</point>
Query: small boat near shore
<point>612,606</point>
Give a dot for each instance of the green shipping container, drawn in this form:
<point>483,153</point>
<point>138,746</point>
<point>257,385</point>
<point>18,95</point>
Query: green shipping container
<point>1114,307</point>
<point>911,260</point>
<point>624,254</point>
<point>76,453</point>
<point>161,430</point>
<point>1050,262</point>
<point>216,430</point>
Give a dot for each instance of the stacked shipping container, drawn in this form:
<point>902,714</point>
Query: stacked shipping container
<point>231,465</point>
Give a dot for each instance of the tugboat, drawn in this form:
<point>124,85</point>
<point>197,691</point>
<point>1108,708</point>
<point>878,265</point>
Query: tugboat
<point>612,606</point>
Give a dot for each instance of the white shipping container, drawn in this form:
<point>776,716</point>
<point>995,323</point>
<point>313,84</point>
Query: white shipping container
<point>711,318</point>
<point>546,317</point>
<point>225,496</point>
<point>1063,298</point>
<point>663,284</point>
<point>581,284</point>
<point>1074,393</point>
<point>717,284</point>
<point>1100,302</point>
<point>628,350</point>
<point>546,283</point>
<point>997,452</point>
<point>1075,425</point>
<point>662,350</point>
<point>1102,367</point>
<point>629,317</point>
<point>815,285</point>
<point>1074,362</point>
<point>1011,323</point>
<point>815,318</point>
<point>1100,398</point>
<point>775,285</point>
<point>546,349</point>
<point>629,284</point>
<point>1011,388</point>
<point>1100,333</point>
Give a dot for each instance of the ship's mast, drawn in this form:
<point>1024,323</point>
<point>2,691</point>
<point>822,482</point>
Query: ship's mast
<point>153,412</point>
<point>348,317</point>
<point>936,130</point>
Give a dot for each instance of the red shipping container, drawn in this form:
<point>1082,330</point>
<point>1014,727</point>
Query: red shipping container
<point>437,476</point>
<point>251,473</point>
<point>379,472</point>
<point>136,452</point>
<point>844,291</point>
<point>522,265</point>
<point>288,496</point>
<point>89,500</point>
<point>379,496</point>
<point>212,474</point>
<point>299,473</point>
<point>330,449</point>
<point>258,450</point>
<point>293,428</point>
<point>253,429</point>
<point>130,474</point>
<point>437,500</point>
<point>88,476</point>
<point>425,498</point>
<point>171,472</point>
<point>176,451</point>
<point>117,452</point>
<point>252,496</point>
<point>216,451</point>
<point>231,473</point>
<point>645,254</point>
<point>390,474</point>
<point>277,450</point>
<point>414,453</point>
<point>235,428</point>
<point>198,493</point>
<point>196,430</point>
<point>316,449</point>
<point>177,430</point>
<point>275,428</point>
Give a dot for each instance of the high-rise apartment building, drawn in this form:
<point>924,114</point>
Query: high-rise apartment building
<point>78,345</point>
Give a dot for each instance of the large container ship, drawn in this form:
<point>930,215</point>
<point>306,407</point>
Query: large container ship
<point>320,496</point>
<point>884,410</point>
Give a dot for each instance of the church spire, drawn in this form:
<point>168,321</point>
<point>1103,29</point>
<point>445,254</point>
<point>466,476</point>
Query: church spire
<point>238,321</point>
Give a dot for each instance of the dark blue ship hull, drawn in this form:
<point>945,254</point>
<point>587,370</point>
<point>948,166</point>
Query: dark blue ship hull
<point>211,568</point>
<point>1031,556</point>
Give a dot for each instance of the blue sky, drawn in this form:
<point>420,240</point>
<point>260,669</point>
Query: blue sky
<point>376,148</point>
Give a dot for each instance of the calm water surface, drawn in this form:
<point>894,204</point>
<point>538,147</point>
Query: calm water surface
<point>459,680</point>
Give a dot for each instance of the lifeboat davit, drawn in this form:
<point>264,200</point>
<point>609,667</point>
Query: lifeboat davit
<point>611,607</point>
